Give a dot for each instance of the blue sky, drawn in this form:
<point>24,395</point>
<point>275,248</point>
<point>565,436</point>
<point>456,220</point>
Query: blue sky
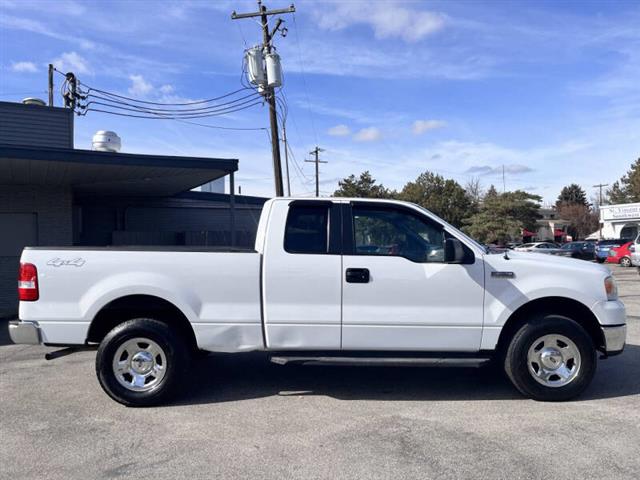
<point>549,89</point>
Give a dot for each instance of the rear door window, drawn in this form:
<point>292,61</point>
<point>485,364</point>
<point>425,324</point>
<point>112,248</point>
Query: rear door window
<point>307,229</point>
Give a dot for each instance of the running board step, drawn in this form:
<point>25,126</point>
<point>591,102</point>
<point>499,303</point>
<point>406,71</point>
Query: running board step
<point>383,361</point>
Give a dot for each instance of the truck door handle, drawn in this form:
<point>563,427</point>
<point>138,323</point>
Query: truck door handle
<point>357,275</point>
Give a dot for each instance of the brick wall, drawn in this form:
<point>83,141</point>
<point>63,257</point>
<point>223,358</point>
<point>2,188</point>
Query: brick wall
<point>53,207</point>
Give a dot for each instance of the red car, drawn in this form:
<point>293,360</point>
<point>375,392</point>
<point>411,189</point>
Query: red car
<point>621,255</point>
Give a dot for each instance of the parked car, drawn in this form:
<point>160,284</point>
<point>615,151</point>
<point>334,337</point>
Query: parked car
<point>635,253</point>
<point>330,281</point>
<point>512,245</point>
<point>620,255</point>
<point>582,250</point>
<point>539,247</point>
<point>603,247</point>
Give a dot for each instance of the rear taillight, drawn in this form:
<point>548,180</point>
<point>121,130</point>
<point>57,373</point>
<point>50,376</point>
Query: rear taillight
<point>28,283</point>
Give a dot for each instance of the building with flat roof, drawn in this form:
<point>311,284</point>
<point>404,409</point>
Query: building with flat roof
<point>52,194</point>
<point>620,221</point>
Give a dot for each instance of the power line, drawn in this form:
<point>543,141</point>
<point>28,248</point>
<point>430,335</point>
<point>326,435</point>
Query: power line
<point>180,114</point>
<point>170,110</point>
<point>195,102</point>
<point>166,116</point>
<point>217,127</point>
<point>304,79</point>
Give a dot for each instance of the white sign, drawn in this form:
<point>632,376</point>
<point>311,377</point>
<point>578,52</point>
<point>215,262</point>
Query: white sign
<point>629,211</point>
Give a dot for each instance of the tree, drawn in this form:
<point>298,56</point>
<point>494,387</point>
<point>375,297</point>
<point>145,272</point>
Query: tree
<point>444,197</point>
<point>617,194</point>
<point>572,206</point>
<point>627,189</point>
<point>582,219</point>
<point>491,193</point>
<point>364,186</point>
<point>502,216</point>
<point>572,195</point>
<point>474,191</point>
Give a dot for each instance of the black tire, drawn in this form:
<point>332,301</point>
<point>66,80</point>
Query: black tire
<point>516,363</point>
<point>600,260</point>
<point>176,362</point>
<point>625,262</point>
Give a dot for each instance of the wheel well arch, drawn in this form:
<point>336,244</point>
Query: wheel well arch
<point>140,306</point>
<point>568,307</point>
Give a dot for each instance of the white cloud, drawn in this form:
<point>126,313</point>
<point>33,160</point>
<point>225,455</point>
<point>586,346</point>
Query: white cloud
<point>422,126</point>
<point>72,62</point>
<point>339,131</point>
<point>387,19</point>
<point>24,67</point>
<point>166,89</point>
<point>370,134</point>
<point>139,86</point>
<point>512,169</point>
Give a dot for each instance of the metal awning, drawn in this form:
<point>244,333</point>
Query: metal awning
<point>109,173</point>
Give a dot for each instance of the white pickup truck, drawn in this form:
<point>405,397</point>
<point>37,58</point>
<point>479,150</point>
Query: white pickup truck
<point>332,280</point>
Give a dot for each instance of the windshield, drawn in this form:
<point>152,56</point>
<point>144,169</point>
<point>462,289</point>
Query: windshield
<point>569,246</point>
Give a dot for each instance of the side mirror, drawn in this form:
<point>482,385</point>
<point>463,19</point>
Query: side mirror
<point>453,251</point>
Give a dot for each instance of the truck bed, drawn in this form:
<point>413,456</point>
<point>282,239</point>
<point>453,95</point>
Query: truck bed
<point>217,289</point>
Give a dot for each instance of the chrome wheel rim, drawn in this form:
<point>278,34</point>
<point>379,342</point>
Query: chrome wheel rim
<point>625,262</point>
<point>139,364</point>
<point>554,360</point>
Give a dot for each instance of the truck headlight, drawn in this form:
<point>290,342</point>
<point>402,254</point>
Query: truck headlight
<point>611,287</point>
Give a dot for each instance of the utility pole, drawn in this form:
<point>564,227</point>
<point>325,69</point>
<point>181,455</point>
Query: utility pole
<point>51,85</point>
<point>599,186</point>
<point>316,151</point>
<point>286,157</point>
<point>269,92</point>
<point>504,183</point>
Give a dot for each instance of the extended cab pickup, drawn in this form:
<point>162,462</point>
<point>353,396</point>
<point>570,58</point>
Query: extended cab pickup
<point>331,280</point>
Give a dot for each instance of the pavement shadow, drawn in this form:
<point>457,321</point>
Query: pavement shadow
<point>226,378</point>
<point>4,332</point>
<point>229,378</point>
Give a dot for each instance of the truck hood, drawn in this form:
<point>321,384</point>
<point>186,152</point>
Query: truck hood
<point>537,261</point>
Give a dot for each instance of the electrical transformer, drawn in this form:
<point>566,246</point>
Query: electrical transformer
<point>274,70</point>
<point>255,66</point>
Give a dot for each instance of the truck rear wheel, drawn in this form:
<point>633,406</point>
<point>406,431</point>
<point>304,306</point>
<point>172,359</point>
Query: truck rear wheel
<point>141,362</point>
<point>551,358</point>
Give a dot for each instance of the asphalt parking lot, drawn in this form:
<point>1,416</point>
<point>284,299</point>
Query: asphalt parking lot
<point>244,417</point>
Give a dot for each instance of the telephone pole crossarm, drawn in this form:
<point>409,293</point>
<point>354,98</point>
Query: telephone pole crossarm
<point>238,16</point>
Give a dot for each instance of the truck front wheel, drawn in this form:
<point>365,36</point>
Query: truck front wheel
<point>141,362</point>
<point>551,358</point>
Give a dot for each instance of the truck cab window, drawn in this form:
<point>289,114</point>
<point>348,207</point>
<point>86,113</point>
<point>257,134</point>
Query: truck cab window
<point>384,231</point>
<point>307,229</point>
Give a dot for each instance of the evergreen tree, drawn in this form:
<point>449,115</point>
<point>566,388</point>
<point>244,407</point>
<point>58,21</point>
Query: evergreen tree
<point>444,197</point>
<point>502,216</point>
<point>364,186</point>
<point>627,189</point>
<point>572,195</point>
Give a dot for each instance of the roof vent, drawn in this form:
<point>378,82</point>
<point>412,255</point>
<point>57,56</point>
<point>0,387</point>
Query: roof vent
<point>106,141</point>
<point>34,101</point>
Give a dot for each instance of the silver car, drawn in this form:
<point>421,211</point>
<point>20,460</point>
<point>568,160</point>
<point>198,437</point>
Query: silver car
<point>635,252</point>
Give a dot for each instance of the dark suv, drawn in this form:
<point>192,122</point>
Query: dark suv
<point>583,250</point>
